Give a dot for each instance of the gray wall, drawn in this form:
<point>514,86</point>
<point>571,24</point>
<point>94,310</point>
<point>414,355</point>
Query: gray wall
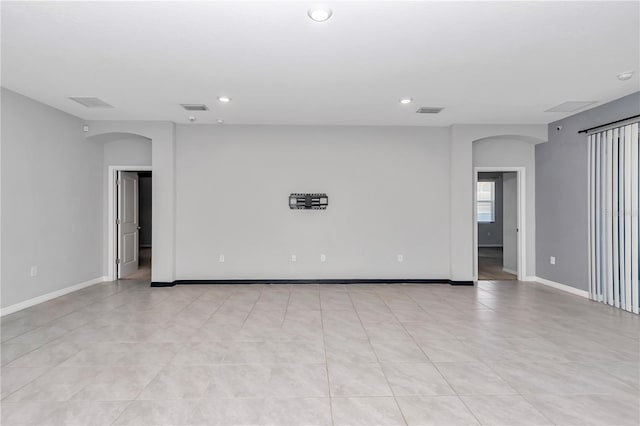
<point>561,193</point>
<point>51,200</point>
<point>144,191</point>
<point>510,221</point>
<point>387,196</point>
<point>490,234</point>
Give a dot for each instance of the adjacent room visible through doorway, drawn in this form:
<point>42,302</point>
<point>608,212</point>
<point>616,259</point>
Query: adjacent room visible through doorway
<point>496,197</point>
<point>133,225</point>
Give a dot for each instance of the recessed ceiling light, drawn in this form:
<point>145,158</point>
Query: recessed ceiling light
<point>319,14</point>
<point>220,121</point>
<point>192,118</point>
<point>405,101</point>
<point>625,75</point>
<point>224,99</point>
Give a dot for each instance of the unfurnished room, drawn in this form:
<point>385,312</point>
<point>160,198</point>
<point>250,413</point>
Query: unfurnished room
<point>320,213</point>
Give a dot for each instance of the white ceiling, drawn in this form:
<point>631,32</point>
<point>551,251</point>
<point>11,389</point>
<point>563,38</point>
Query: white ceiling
<point>485,62</point>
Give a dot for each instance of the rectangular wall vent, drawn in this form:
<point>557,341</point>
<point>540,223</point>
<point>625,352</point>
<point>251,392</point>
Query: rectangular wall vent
<point>429,110</point>
<point>195,107</point>
<point>570,106</point>
<point>90,102</point>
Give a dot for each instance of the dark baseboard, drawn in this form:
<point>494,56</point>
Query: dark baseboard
<point>309,281</point>
<point>162,283</point>
<point>461,282</point>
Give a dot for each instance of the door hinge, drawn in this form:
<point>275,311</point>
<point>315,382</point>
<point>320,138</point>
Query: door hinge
<point>117,261</point>
<point>118,182</point>
<point>117,221</point>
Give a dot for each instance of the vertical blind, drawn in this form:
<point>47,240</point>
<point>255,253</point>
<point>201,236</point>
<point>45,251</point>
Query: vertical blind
<point>613,217</point>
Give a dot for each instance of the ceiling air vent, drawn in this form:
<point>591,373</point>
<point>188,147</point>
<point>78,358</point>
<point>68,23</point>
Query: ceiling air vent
<point>195,107</point>
<point>90,102</point>
<point>429,110</point>
<point>570,106</point>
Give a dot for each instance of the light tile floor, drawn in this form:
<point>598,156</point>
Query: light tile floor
<point>500,353</point>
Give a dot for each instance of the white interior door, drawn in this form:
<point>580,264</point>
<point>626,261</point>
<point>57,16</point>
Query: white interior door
<point>127,223</point>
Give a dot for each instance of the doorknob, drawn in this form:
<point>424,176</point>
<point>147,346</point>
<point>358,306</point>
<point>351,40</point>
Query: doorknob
<point>139,228</point>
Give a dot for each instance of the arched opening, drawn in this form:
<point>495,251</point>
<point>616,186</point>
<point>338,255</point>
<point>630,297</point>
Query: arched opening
<point>127,205</point>
<point>504,206</point>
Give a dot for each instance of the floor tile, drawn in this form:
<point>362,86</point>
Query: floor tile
<point>366,411</point>
<point>296,411</point>
<point>178,382</point>
<point>398,351</point>
<point>261,381</point>
<point>52,413</point>
<point>510,410</point>
<point>140,413</point>
<point>436,411</point>
<point>446,350</point>
<point>117,383</point>
<point>472,378</point>
<point>357,380</point>
<point>516,353</point>
<point>13,378</point>
<point>579,410</point>
<point>416,379</point>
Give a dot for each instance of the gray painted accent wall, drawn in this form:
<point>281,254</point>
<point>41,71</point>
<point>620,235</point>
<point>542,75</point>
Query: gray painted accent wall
<point>561,193</point>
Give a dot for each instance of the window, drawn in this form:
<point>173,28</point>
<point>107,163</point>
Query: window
<point>486,196</point>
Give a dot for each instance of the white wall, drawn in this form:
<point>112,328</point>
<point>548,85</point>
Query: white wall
<point>386,197</point>
<point>119,150</point>
<point>51,200</point>
<point>505,152</point>
<point>510,221</point>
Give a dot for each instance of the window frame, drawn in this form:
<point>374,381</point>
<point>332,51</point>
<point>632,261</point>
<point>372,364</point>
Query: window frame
<point>492,202</point>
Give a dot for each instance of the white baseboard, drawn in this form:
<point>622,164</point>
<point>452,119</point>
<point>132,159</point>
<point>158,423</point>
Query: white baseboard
<point>510,271</point>
<point>563,287</point>
<point>46,297</point>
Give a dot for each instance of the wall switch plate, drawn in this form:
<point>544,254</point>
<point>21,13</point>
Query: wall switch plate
<point>323,258</point>
<point>400,258</point>
<point>34,271</point>
<point>85,128</point>
<point>221,258</point>
<point>552,260</point>
<point>294,258</point>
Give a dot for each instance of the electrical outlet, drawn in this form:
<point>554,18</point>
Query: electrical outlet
<point>294,258</point>
<point>221,258</point>
<point>488,234</point>
<point>400,258</point>
<point>34,271</point>
<point>552,260</point>
<point>323,258</point>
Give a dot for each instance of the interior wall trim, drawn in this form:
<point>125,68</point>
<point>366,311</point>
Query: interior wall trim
<point>560,286</point>
<point>317,281</point>
<point>49,296</point>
